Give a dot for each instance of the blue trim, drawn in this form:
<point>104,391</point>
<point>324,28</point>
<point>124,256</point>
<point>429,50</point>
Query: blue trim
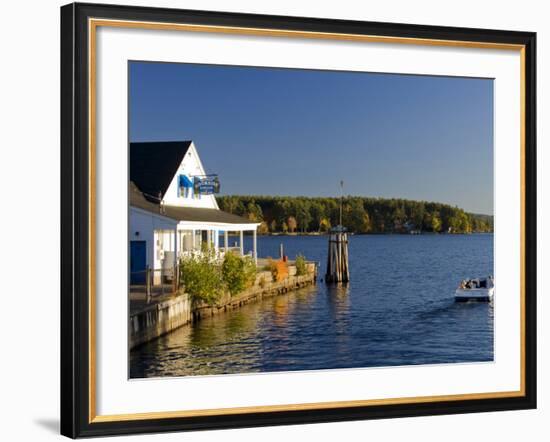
<point>184,181</point>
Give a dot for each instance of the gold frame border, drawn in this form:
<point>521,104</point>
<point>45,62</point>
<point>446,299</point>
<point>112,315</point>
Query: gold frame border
<point>93,24</point>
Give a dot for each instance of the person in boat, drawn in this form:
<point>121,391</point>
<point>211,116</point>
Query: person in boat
<point>484,283</point>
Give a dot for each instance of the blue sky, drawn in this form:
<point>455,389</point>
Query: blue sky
<point>299,132</point>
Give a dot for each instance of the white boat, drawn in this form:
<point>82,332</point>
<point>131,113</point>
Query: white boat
<point>480,289</point>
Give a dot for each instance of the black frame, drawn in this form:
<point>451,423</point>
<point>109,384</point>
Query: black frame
<point>75,220</point>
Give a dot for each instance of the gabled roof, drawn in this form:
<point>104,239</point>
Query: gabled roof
<point>154,164</point>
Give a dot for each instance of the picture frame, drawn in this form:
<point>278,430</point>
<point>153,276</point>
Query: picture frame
<point>79,180</point>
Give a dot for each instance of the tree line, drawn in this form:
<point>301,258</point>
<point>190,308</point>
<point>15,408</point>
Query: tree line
<point>286,214</point>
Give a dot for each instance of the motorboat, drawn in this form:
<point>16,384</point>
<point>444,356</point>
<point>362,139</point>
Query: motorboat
<point>479,289</point>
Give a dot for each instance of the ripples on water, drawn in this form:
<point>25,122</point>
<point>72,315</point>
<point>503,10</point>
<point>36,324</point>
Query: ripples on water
<point>398,310</point>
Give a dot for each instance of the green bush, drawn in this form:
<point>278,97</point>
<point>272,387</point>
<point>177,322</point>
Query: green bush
<point>238,273</point>
<point>250,271</point>
<point>301,266</point>
<point>202,278</point>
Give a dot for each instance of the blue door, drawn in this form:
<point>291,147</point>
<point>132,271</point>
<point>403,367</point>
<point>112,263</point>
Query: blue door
<point>138,262</point>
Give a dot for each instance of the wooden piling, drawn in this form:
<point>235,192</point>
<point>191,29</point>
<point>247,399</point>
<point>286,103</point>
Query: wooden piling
<point>337,258</point>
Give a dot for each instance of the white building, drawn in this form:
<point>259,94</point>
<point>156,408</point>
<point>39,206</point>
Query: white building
<point>169,218</point>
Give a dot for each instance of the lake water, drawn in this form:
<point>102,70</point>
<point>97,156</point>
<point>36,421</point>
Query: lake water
<point>398,309</point>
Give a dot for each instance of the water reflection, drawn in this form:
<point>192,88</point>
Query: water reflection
<point>225,343</point>
<point>339,301</point>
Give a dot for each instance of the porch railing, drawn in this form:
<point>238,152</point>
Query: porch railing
<point>154,282</point>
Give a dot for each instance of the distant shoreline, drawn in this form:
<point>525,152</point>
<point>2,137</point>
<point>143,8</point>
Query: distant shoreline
<point>361,215</point>
<point>369,234</point>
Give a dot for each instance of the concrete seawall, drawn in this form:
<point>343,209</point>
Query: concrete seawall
<point>159,318</point>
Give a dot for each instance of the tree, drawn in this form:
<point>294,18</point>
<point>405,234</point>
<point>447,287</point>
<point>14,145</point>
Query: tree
<point>281,210</point>
<point>303,216</point>
<point>254,212</point>
<point>354,215</point>
<point>360,214</point>
<point>324,225</point>
<point>465,225</point>
<point>367,227</point>
<point>378,223</point>
<point>262,228</point>
<point>317,211</point>
<point>230,204</point>
<point>398,218</point>
<point>284,227</point>
<point>417,214</point>
<point>436,222</point>
<point>292,224</point>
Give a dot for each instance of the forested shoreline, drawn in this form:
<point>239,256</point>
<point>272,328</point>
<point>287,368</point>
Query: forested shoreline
<point>288,214</point>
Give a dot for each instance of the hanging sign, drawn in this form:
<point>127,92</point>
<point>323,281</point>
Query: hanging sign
<point>206,185</point>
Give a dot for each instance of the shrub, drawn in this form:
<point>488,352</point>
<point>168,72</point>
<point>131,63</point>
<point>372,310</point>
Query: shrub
<point>202,278</point>
<point>301,266</point>
<point>238,273</point>
<point>278,269</point>
<point>250,270</point>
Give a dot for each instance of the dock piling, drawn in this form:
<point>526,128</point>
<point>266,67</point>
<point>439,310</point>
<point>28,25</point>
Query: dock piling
<point>337,258</point>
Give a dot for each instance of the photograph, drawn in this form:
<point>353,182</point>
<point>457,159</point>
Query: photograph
<point>285,219</point>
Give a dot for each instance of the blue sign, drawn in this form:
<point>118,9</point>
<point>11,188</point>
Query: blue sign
<point>206,185</point>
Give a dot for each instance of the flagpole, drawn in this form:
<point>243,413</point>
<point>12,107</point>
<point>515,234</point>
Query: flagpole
<point>341,199</point>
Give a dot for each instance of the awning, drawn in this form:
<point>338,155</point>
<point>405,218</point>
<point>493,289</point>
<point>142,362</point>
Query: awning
<point>185,181</point>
